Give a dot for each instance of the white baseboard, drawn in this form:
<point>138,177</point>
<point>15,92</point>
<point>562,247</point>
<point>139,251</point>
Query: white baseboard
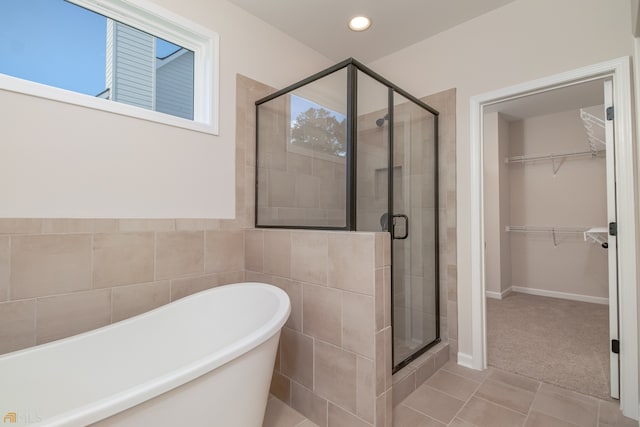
<point>465,360</point>
<point>498,295</point>
<point>561,295</point>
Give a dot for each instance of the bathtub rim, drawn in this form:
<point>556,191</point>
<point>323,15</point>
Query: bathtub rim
<point>128,398</point>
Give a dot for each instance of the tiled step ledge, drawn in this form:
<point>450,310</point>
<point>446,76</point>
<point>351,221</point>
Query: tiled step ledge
<point>409,378</point>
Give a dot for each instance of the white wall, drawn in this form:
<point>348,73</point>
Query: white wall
<point>505,205</point>
<point>496,204</point>
<point>61,160</point>
<point>522,41</point>
<point>576,196</point>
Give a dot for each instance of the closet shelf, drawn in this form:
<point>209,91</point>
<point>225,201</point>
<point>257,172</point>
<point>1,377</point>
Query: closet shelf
<point>553,156</point>
<point>553,230</point>
<point>560,158</point>
<point>595,126</point>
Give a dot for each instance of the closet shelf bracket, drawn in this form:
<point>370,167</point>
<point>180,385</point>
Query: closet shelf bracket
<point>596,235</point>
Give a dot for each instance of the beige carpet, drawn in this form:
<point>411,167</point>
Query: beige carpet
<point>565,343</point>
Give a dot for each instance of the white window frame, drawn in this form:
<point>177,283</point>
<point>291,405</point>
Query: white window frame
<point>159,22</point>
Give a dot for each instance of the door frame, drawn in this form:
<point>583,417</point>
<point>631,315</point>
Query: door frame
<point>619,70</point>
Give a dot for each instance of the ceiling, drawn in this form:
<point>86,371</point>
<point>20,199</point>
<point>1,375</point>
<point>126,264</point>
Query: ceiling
<point>322,25</point>
<point>568,98</point>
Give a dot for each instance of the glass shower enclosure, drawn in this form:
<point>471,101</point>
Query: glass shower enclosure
<point>345,149</point>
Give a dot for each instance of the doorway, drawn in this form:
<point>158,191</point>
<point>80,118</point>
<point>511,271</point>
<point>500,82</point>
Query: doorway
<point>546,158</point>
<point>619,72</point>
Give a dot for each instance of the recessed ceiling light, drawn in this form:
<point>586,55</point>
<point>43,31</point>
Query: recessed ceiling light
<point>359,23</point>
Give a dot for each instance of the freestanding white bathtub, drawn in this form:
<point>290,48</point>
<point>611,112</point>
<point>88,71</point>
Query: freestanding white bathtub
<point>204,360</point>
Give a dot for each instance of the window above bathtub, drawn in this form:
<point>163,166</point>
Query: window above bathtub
<point>129,57</point>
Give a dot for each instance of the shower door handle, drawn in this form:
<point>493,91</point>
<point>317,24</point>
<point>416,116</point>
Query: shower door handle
<point>406,227</point>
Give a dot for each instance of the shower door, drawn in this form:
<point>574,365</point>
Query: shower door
<point>396,191</point>
<point>414,231</point>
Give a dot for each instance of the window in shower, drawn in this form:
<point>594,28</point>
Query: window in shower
<point>316,130</point>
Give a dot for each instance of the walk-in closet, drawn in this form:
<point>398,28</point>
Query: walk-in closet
<point>548,203</point>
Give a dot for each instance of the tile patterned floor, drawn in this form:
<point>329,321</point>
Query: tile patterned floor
<point>458,397</point>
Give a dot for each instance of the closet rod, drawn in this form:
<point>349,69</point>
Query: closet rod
<point>523,159</point>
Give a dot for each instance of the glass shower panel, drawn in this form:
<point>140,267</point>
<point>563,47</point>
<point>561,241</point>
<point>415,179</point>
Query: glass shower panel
<point>372,154</point>
<point>414,251</point>
<point>301,156</point>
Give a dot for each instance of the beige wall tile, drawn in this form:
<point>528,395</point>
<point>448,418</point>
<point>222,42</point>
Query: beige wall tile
<point>366,389</point>
<point>18,320</point>
<point>358,324</point>
<point>20,226</point>
<point>230,277</point>
<point>128,301</point>
<point>387,296</point>
<point>5,261</point>
<point>259,277</point>
<point>192,224</point>
<point>122,259</point>
<point>179,253</point>
<point>181,288</point>
<point>381,363</point>
<point>388,358</point>
<point>296,357</point>
<point>321,313</point>
<point>379,299</point>
<point>404,383</point>
<point>133,225</point>
<point>335,375</point>
<point>277,252</point>
<point>452,280</point>
<point>452,319</point>
<point>224,251</point>
<point>308,404</point>
<point>253,250</point>
<point>309,254</point>
<point>281,388</point>
<point>66,225</point>
<point>426,369</point>
<point>294,291</point>
<point>64,315</point>
<point>49,264</point>
<point>352,262</point>
<point>338,417</point>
